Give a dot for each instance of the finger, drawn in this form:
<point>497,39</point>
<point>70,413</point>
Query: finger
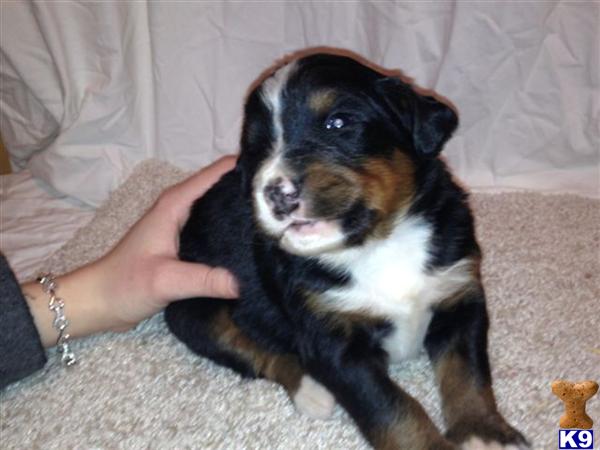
<point>196,185</point>
<point>175,202</point>
<point>186,280</point>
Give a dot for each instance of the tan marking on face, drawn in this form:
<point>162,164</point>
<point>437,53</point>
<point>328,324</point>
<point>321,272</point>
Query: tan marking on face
<point>388,184</point>
<point>321,101</point>
<point>385,185</point>
<point>331,190</point>
<point>283,368</point>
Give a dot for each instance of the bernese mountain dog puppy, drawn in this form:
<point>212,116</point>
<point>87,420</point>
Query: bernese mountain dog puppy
<point>353,248</point>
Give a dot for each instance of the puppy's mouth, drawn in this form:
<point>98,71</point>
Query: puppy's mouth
<point>285,210</point>
<point>310,237</point>
<point>301,224</point>
<point>289,220</point>
<point>306,226</point>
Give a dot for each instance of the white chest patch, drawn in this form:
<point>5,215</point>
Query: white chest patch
<point>390,280</point>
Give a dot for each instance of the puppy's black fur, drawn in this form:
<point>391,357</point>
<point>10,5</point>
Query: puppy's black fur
<point>356,152</point>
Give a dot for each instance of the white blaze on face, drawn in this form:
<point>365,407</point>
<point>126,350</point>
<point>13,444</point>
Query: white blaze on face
<point>296,235</point>
<point>271,92</point>
<point>272,167</point>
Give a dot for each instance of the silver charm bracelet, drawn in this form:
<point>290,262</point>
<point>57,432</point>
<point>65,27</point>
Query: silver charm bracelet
<point>60,323</point>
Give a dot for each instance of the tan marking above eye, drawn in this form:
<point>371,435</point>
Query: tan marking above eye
<point>322,100</point>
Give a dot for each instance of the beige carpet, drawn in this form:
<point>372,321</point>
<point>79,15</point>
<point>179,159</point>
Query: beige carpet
<point>143,389</point>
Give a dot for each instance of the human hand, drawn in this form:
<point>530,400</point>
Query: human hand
<point>142,273</point>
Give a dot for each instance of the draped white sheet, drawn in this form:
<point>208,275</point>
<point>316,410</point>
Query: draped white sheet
<point>90,89</point>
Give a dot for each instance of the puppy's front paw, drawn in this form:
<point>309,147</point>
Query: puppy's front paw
<point>476,443</point>
<point>490,433</point>
<point>313,399</point>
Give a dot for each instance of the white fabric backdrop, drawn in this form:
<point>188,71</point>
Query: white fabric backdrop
<point>90,89</point>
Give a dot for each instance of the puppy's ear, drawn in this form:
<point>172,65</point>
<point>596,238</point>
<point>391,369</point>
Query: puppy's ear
<point>429,122</point>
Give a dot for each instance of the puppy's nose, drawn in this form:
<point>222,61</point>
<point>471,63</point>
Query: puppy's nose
<point>283,197</point>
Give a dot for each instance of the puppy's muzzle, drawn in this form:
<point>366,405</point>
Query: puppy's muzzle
<point>283,197</point>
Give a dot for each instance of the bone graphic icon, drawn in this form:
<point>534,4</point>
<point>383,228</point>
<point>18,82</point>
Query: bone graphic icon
<point>574,396</point>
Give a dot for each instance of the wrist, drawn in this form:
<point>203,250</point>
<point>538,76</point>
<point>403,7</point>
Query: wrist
<point>85,301</point>
<point>85,307</point>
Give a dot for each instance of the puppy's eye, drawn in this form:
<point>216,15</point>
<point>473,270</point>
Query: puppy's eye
<point>336,122</point>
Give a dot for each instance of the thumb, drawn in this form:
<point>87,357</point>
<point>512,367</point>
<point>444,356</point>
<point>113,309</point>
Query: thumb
<point>199,280</point>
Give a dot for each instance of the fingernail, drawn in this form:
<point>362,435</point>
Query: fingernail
<point>234,288</point>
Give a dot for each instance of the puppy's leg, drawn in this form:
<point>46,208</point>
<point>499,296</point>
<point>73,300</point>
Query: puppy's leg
<point>206,327</point>
<point>313,399</point>
<point>198,324</point>
<point>456,342</point>
<point>387,416</point>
